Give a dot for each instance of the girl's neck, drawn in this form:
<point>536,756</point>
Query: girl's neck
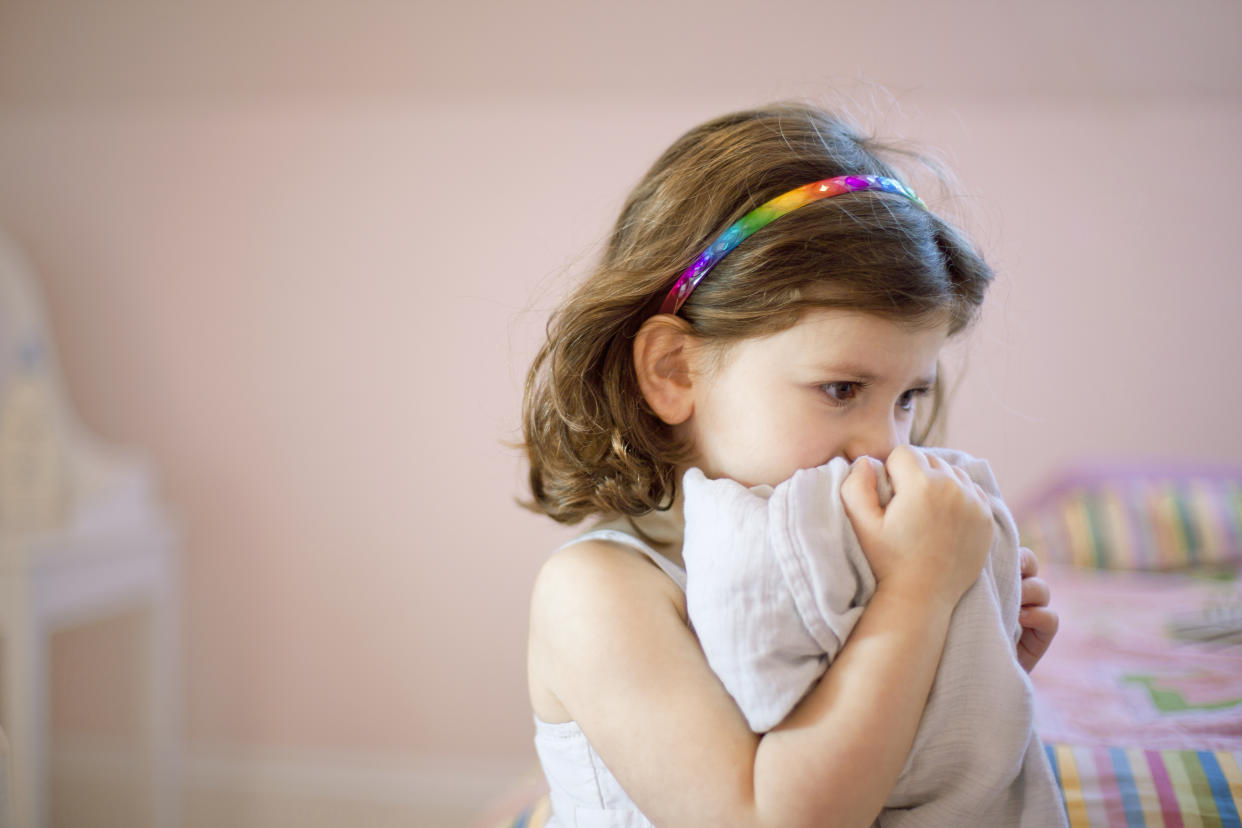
<point>663,530</point>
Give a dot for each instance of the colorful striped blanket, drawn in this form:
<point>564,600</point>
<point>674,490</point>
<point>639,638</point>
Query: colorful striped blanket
<point>1133,787</point>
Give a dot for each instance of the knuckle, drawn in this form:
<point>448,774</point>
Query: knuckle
<point>1053,623</point>
<point>1029,563</point>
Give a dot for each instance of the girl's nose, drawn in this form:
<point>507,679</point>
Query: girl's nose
<point>876,439</point>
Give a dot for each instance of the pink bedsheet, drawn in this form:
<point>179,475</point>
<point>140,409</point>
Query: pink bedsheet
<point>1143,660</point>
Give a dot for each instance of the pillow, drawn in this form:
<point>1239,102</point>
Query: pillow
<point>1137,519</point>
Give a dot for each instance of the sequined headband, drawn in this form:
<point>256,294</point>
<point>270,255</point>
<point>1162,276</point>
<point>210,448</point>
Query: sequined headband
<point>765,214</point>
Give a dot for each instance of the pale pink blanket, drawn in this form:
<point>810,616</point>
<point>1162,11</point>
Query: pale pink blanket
<point>1143,660</point>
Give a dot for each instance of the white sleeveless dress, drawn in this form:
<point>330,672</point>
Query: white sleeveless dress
<point>582,791</point>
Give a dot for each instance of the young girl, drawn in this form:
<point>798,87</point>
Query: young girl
<point>697,345</point>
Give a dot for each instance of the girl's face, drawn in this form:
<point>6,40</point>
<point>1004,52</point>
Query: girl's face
<point>837,384</point>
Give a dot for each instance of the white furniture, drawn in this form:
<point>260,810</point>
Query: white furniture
<point>6,787</point>
<point>54,580</point>
<point>82,536</point>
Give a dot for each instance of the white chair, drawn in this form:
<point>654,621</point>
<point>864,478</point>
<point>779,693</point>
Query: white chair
<point>82,536</point>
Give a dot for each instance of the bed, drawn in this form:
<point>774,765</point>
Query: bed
<point>1139,701</point>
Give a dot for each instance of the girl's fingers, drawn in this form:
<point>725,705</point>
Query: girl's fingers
<point>963,477</point>
<point>904,463</point>
<point>1039,620</point>
<point>859,494</point>
<point>1028,562</point>
<point>1039,626</point>
<point>1035,592</point>
<point>969,484</point>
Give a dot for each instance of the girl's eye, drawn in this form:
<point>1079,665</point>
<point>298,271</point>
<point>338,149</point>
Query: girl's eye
<point>841,392</point>
<point>907,399</point>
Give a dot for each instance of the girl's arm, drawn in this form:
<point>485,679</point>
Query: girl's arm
<point>612,644</point>
<point>610,648</point>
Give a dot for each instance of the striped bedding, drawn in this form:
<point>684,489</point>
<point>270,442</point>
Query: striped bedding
<point>1133,787</point>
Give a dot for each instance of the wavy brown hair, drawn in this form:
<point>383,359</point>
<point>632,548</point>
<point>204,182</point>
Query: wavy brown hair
<point>593,444</point>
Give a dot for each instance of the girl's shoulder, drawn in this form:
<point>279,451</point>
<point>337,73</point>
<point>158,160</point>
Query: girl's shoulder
<point>597,569</point>
<point>650,542</point>
<point>591,597</point>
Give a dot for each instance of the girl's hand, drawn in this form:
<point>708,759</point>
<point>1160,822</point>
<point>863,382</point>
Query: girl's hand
<point>1039,624</point>
<point>935,533</point>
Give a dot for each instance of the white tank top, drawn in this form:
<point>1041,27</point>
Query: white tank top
<point>582,791</point>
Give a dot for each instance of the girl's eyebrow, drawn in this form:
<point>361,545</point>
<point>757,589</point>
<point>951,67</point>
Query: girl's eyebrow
<point>855,372</point>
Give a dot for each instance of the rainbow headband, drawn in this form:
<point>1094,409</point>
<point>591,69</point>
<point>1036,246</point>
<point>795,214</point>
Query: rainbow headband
<point>767,213</point>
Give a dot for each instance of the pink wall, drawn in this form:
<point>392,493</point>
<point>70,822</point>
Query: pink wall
<point>302,253</point>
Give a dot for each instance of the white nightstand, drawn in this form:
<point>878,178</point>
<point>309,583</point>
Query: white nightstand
<point>83,536</point>
<point>120,553</point>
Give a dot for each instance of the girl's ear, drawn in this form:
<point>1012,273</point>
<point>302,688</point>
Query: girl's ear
<point>662,361</point>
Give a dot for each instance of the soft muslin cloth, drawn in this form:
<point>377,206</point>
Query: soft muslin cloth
<point>776,580</point>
